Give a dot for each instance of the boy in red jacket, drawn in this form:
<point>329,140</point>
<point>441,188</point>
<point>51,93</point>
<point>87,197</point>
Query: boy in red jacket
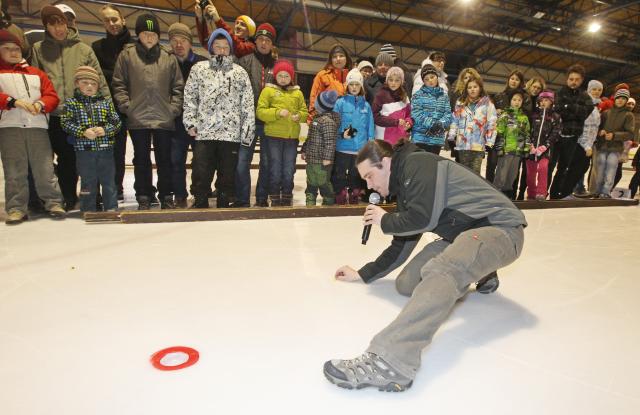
<point>26,95</point>
<point>242,33</point>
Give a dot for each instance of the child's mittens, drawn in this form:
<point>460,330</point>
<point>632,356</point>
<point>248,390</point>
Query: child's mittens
<point>532,150</point>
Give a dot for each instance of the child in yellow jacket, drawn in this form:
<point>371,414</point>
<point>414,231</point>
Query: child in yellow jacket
<point>281,107</point>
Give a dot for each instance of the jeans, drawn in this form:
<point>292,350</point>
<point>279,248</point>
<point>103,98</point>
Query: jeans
<point>435,279</point>
<point>142,161</point>
<point>96,167</point>
<point>119,154</point>
<point>180,143</point>
<point>66,158</point>
<point>537,177</point>
<point>19,149</point>
<point>607,162</point>
<point>282,164</point>
<point>243,174</point>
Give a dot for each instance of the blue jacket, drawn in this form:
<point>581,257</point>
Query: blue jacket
<point>431,113</point>
<point>355,112</point>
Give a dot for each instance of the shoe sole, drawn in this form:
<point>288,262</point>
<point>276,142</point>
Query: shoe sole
<point>15,221</point>
<point>390,387</point>
<point>488,286</point>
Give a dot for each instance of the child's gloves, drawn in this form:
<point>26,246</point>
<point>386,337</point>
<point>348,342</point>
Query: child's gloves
<point>540,151</point>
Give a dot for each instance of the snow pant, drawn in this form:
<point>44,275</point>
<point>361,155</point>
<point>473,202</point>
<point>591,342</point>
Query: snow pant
<point>492,164</point>
<point>345,173</point>
<point>19,149</point>
<point>471,159</point>
<point>506,172</point>
<point>318,179</point>
<point>213,156</point>
<point>429,148</point>
<point>573,163</point>
<point>537,171</point>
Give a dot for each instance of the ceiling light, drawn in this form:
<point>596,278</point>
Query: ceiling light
<point>594,27</point>
<point>558,28</point>
<point>538,15</point>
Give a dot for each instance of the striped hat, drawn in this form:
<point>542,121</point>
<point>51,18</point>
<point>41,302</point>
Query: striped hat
<point>622,92</point>
<point>388,48</point>
<point>86,72</point>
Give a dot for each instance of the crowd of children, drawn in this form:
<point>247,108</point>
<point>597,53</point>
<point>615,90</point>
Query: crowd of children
<point>221,106</point>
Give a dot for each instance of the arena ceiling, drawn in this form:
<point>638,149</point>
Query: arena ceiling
<point>541,37</point>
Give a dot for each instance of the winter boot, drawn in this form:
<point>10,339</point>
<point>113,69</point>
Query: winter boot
<point>328,201</point>
<point>167,203</point>
<point>222,201</point>
<point>276,200</point>
<point>287,200</point>
<point>200,203</point>
<point>144,203</point>
<point>341,197</point>
<point>262,203</point>
<point>354,197</point>
<point>310,199</point>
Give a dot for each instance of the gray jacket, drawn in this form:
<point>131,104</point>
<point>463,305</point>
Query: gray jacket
<point>435,195</point>
<point>148,92</point>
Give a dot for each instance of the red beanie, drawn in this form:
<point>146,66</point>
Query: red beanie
<point>265,29</point>
<point>8,37</point>
<point>283,65</point>
<point>621,86</point>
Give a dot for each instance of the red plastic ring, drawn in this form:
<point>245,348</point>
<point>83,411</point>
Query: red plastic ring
<point>158,356</point>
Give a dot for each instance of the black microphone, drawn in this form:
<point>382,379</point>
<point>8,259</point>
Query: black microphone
<point>374,199</point>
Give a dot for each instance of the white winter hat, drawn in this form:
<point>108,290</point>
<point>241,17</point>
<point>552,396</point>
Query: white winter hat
<point>354,76</point>
<point>365,64</point>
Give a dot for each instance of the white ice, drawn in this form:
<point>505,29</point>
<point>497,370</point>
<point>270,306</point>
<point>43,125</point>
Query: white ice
<point>83,307</point>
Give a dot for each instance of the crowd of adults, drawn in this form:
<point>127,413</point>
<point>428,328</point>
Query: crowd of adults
<point>79,102</point>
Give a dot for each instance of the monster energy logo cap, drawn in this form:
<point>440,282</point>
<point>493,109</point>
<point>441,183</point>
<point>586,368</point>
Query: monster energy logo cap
<point>147,23</point>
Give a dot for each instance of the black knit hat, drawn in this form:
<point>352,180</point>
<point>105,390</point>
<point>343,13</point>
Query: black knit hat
<point>427,69</point>
<point>147,23</point>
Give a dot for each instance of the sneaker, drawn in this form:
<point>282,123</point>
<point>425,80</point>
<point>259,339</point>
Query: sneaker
<point>368,370</point>
<point>604,196</point>
<point>488,284</point>
<point>57,212</point>
<point>15,217</point>
<point>153,201</point>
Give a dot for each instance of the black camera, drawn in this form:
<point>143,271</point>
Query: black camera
<point>203,4</point>
<point>351,132</point>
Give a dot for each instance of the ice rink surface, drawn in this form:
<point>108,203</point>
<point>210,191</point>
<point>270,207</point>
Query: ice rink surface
<point>83,307</point>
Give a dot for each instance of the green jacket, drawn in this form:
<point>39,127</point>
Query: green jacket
<point>621,123</point>
<point>60,59</point>
<point>513,133</point>
<point>273,99</point>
